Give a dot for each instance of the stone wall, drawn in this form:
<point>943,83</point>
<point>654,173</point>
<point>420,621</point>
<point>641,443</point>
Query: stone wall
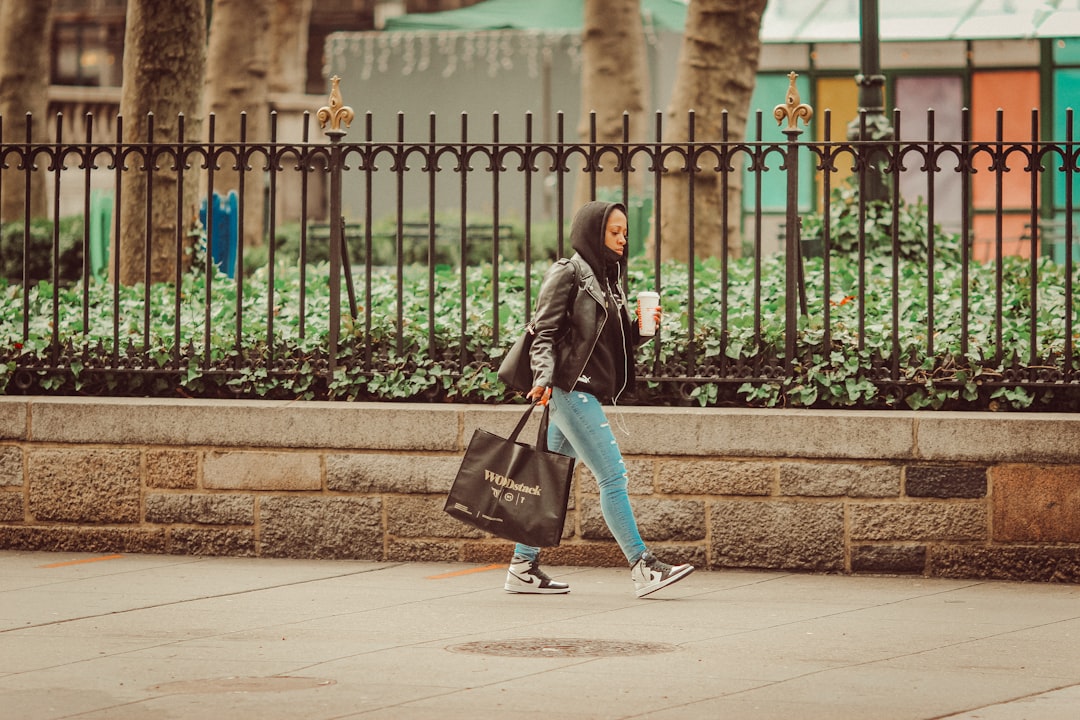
<point>941,494</point>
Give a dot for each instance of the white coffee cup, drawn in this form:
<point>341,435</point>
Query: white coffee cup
<point>647,304</point>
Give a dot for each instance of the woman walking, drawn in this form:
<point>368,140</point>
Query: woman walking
<point>582,358</point>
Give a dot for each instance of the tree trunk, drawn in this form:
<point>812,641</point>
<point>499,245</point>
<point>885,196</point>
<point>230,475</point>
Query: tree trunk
<point>717,70</point>
<point>24,84</point>
<point>289,22</point>
<point>164,60</point>
<point>237,65</point>
<point>614,80</point>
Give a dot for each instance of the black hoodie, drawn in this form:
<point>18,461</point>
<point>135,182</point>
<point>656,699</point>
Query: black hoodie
<point>584,331</point>
<point>607,369</point>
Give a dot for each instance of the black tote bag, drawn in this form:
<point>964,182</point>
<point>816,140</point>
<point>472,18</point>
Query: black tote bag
<point>515,371</point>
<point>511,489</point>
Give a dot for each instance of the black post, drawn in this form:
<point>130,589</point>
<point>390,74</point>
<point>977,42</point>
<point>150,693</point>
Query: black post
<point>872,123</point>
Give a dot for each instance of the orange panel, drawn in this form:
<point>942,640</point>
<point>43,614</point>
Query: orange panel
<point>1016,93</point>
<point>1013,241</point>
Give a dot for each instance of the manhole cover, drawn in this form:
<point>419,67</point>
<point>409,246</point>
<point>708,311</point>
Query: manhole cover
<point>561,648</point>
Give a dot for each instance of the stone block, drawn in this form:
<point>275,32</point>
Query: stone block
<point>320,527</point>
<point>499,420</point>
<point>837,434</point>
<point>401,550</point>
<point>1024,563</point>
<point>194,509</point>
<point>1017,437</point>
<point>247,423</point>
<point>715,477</point>
<point>657,519</point>
<point>92,486</point>
<point>381,473</point>
<point>424,517</point>
<point>241,470</point>
<point>888,559</point>
<point>493,551</point>
<point>945,481</point>
<point>839,480</point>
<point>13,411</point>
<point>172,469</point>
<point>1036,503</point>
<point>11,507</point>
<point>59,538</point>
<point>11,466</point>
<point>780,535</point>
<point>592,554</point>
<point>229,542</point>
<point>919,521</point>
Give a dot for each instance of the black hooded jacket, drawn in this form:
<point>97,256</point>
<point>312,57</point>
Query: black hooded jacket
<point>585,332</point>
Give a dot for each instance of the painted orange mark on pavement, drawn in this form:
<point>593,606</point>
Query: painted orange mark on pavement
<point>81,562</point>
<point>459,573</point>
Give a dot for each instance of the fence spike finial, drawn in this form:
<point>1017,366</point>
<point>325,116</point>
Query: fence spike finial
<point>793,109</point>
<point>336,112</point>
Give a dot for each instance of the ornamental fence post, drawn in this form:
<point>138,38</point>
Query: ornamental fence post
<point>335,114</point>
<point>792,110</point>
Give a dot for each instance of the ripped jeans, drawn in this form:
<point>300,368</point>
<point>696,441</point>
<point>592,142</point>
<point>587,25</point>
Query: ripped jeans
<point>579,427</point>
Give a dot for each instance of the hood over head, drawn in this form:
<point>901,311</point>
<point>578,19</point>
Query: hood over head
<point>587,238</point>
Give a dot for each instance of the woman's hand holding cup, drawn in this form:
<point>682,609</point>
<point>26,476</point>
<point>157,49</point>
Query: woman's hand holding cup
<point>648,312</point>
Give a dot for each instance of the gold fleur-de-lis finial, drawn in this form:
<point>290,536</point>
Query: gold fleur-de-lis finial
<point>335,113</point>
<point>792,109</point>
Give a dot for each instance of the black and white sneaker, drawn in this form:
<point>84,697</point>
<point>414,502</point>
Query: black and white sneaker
<point>650,575</point>
<point>525,576</point>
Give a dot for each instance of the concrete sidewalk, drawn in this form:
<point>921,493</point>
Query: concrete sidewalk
<point>139,636</point>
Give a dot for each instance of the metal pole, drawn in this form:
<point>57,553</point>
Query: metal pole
<point>335,114</point>
<point>871,123</point>
<point>871,81</point>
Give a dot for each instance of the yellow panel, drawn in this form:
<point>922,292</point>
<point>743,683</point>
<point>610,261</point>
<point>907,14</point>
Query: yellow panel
<point>841,96</point>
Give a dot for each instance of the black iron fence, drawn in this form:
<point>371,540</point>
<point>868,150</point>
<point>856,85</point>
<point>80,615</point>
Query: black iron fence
<point>402,269</point>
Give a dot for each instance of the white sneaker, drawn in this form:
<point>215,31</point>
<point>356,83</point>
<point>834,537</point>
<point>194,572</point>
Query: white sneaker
<point>650,575</point>
<point>525,576</point>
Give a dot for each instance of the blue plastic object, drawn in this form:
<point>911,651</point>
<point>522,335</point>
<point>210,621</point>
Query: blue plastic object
<point>223,230</point>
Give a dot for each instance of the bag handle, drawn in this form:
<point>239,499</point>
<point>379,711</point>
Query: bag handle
<point>541,435</point>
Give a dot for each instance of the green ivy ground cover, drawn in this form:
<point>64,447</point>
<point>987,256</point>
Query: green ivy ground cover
<point>727,367</point>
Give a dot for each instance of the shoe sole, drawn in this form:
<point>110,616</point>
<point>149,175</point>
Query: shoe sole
<point>535,591</point>
<point>650,589</point>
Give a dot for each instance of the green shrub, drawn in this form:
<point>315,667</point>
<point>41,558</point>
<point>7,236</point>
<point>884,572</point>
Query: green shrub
<point>415,233</point>
<point>13,242</point>
<point>373,366</point>
<point>738,357</point>
<point>912,238</point>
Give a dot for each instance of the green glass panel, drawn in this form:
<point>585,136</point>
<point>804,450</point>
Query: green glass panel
<point>1066,51</point>
<point>770,91</point>
<point>1066,96</point>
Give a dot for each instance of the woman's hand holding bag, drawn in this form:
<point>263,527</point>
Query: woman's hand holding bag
<point>511,489</point>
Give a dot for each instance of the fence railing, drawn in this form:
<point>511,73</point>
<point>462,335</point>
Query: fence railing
<point>441,243</point>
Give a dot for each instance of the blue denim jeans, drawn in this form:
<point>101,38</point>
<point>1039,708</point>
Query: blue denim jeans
<point>579,427</point>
